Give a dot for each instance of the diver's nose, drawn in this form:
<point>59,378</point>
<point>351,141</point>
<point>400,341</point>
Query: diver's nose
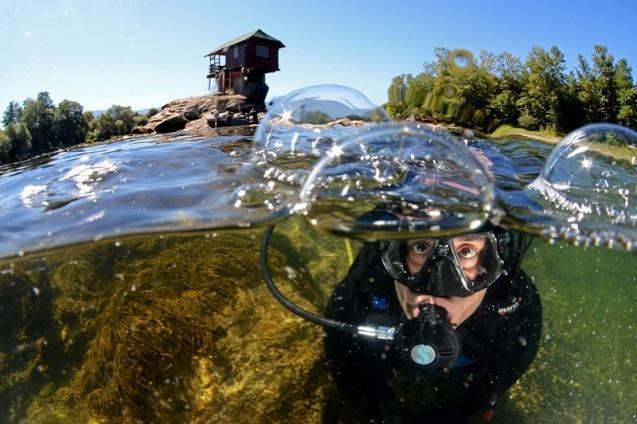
<point>425,299</point>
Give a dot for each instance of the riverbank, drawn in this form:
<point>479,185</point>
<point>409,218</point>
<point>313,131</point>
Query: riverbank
<point>507,131</point>
<point>214,111</point>
<point>502,132</point>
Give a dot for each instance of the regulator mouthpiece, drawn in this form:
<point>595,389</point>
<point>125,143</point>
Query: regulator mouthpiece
<point>428,342</point>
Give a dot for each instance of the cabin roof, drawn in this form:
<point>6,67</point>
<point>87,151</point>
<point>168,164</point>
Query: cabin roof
<point>254,34</point>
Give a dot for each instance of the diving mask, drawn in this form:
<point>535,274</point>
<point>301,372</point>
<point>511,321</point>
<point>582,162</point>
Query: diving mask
<point>457,266</point>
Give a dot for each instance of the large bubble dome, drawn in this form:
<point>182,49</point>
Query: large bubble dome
<point>588,188</point>
<point>398,181</point>
<point>302,126</point>
<point>297,130</point>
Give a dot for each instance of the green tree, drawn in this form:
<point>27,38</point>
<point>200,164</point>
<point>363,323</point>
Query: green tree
<point>623,75</point>
<point>12,114</point>
<point>117,120</point>
<point>19,141</point>
<point>416,91</point>
<point>585,83</point>
<point>598,90</point>
<point>39,117</point>
<point>626,94</point>
<point>605,88</point>
<point>627,114</point>
<point>151,112</point>
<point>396,91</point>
<point>72,124</point>
<point>440,66</point>
<point>5,148</point>
<point>508,71</point>
<point>543,89</point>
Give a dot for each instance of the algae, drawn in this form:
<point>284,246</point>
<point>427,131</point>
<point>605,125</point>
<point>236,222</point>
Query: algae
<point>161,329</point>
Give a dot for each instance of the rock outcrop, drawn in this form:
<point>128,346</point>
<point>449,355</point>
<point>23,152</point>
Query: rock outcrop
<point>194,113</point>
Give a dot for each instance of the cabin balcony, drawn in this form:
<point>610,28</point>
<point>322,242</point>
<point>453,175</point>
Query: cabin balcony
<point>215,70</point>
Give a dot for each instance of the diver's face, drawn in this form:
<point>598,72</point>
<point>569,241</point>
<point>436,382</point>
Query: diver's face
<point>468,249</point>
<point>468,253</point>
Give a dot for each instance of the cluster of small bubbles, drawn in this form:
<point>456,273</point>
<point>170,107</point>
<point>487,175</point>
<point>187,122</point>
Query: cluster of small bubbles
<point>256,195</point>
<point>291,273</point>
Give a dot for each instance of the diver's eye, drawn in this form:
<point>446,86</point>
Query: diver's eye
<point>421,247</point>
<point>467,252</point>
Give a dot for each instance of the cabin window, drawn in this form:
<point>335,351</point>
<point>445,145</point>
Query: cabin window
<point>235,52</point>
<point>263,51</point>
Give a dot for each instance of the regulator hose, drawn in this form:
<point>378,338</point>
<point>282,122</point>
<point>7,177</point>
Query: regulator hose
<point>316,319</point>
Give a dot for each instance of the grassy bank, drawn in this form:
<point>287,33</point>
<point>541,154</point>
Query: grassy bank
<point>508,131</point>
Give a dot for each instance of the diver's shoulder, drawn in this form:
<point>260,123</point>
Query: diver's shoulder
<point>512,296</point>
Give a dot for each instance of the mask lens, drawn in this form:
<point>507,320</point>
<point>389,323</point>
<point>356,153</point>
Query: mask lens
<point>476,256</point>
<point>457,266</point>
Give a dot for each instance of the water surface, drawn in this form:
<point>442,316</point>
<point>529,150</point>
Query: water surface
<point>150,308</point>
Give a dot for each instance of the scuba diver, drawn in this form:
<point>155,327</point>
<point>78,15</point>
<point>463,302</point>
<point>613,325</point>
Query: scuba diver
<point>455,322</point>
<point>424,328</point>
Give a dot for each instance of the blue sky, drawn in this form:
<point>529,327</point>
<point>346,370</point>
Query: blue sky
<point>143,54</point>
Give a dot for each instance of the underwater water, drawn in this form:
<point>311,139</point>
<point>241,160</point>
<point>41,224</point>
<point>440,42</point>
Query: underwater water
<point>130,292</point>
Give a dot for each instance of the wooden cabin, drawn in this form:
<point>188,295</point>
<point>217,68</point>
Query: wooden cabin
<point>239,65</point>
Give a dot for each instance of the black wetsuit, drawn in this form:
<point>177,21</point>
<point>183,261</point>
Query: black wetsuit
<point>498,343</point>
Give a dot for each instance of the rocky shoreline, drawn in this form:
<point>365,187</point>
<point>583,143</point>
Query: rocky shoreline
<point>197,113</point>
<point>201,113</point>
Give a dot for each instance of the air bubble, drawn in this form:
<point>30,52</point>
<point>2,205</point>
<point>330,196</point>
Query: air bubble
<point>449,92</point>
<point>460,61</point>
<point>406,178</point>
<point>309,122</point>
<point>588,182</point>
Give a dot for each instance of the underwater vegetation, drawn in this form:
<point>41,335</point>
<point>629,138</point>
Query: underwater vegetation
<point>174,329</point>
<point>181,328</point>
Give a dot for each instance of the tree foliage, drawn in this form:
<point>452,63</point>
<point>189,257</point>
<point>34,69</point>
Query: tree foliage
<point>38,126</point>
<point>537,93</point>
<point>39,117</point>
<point>19,141</point>
<point>72,125</point>
<point>117,120</point>
<point>11,114</point>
